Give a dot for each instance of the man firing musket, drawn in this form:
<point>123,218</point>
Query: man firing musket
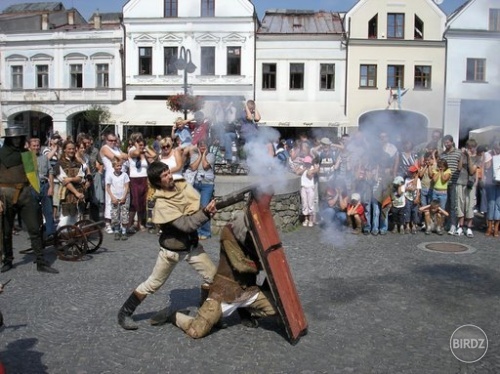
<point>248,244</point>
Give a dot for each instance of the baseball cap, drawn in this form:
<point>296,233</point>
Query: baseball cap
<point>307,160</point>
<point>398,180</point>
<point>325,141</point>
<point>356,196</point>
<point>413,169</point>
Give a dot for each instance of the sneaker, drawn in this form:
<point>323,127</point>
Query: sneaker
<point>305,223</point>
<point>469,233</point>
<point>427,231</point>
<point>118,236</point>
<point>311,224</point>
<point>414,230</point>
<point>459,232</point>
<point>124,236</point>
<point>109,230</point>
<point>439,231</point>
<point>375,233</point>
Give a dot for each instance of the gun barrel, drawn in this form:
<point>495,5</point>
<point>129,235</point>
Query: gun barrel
<point>234,197</point>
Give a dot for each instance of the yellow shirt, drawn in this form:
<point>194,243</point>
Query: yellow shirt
<point>440,185</point>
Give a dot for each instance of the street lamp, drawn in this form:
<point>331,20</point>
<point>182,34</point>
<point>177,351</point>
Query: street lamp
<point>184,62</point>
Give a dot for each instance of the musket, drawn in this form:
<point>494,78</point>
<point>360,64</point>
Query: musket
<point>236,196</point>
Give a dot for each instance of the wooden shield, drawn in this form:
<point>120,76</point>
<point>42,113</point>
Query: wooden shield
<point>273,259</point>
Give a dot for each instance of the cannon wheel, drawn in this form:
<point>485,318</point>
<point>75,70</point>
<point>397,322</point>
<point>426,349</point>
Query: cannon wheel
<point>92,232</point>
<point>71,244</point>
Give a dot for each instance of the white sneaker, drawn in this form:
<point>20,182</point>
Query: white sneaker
<point>311,224</point>
<point>109,230</point>
<point>453,230</point>
<point>469,233</point>
<point>305,223</point>
<point>459,232</point>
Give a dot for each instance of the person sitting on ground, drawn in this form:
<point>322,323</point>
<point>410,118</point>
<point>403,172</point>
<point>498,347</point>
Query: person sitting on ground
<point>234,287</point>
<point>356,214</point>
<point>434,217</point>
<point>334,206</point>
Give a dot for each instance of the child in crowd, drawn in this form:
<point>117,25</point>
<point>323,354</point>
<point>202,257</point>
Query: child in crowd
<point>412,187</point>
<point>356,214</point>
<point>398,204</point>
<point>307,187</point>
<point>434,217</point>
<point>117,186</point>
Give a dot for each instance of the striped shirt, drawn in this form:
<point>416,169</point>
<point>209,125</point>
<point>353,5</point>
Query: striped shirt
<point>453,158</point>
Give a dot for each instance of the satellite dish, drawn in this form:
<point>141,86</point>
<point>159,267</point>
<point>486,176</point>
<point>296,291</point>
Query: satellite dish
<point>438,2</point>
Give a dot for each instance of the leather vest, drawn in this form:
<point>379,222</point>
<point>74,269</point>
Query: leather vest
<point>12,175</point>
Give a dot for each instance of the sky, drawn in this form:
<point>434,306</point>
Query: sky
<point>87,7</point>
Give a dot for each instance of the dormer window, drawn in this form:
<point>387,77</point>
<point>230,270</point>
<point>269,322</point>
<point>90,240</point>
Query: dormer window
<point>373,27</point>
<point>419,28</point>
<point>395,26</point>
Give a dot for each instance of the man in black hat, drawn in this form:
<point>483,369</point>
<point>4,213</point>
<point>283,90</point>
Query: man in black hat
<point>17,197</point>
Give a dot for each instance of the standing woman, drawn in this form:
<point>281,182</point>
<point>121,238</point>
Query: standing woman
<point>108,152</point>
<point>202,163</point>
<point>139,154</point>
<point>69,172</point>
<point>172,156</point>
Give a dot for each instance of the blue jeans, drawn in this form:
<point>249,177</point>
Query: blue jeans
<point>334,216</point>
<point>493,196</point>
<point>426,196</point>
<point>45,202</point>
<point>206,194</point>
<point>229,138</point>
<point>442,196</point>
<point>380,217</point>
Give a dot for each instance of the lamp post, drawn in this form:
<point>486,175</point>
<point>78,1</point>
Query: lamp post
<point>184,62</point>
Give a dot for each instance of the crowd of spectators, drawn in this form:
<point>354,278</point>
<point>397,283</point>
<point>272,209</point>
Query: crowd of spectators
<point>367,182</point>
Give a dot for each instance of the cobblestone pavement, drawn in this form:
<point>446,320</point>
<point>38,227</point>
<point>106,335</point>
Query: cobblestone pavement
<point>373,304</point>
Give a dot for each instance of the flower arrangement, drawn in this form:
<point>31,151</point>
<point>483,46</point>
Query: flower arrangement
<point>181,102</point>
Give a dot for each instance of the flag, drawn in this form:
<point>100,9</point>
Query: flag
<point>31,169</point>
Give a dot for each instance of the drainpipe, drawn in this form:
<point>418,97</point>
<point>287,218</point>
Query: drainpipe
<point>346,67</point>
<point>256,27</point>
<point>123,55</point>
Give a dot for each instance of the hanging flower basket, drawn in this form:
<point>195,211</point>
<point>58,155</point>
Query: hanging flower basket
<point>181,102</point>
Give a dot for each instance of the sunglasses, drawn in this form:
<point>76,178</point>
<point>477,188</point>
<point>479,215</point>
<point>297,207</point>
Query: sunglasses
<point>112,140</point>
<point>167,146</point>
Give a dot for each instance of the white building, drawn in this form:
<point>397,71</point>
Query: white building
<point>473,68</point>
<point>300,70</point>
<point>219,40</point>
<point>396,46</point>
<point>55,66</point>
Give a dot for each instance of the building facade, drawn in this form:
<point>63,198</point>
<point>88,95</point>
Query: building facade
<point>301,69</point>
<point>396,61</point>
<point>473,68</point>
<point>55,66</point>
<point>216,40</point>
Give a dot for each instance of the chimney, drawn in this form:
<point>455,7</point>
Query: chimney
<point>97,21</point>
<point>45,21</point>
<point>71,17</point>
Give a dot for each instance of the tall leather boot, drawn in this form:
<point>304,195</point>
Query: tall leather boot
<point>495,230</point>
<point>125,314</point>
<point>489,230</point>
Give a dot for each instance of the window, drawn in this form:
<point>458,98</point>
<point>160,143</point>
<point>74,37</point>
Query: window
<point>145,60</point>
<point>327,77</point>
<point>42,76</point>
<point>170,8</point>
<point>476,69</point>
<point>395,25</point>
<point>373,27</point>
<point>169,59</point>
<point>207,8</point>
<point>296,76</point>
<point>494,20</point>
<point>422,77</point>
<point>17,77</point>
<point>419,28</point>
<point>395,76</point>
<point>76,76</point>
<point>102,75</point>
<point>233,60</point>
<point>207,60</point>
<point>368,76</point>
<point>268,76</point>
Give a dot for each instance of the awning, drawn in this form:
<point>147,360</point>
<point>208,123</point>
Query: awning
<point>301,114</point>
<point>143,113</point>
